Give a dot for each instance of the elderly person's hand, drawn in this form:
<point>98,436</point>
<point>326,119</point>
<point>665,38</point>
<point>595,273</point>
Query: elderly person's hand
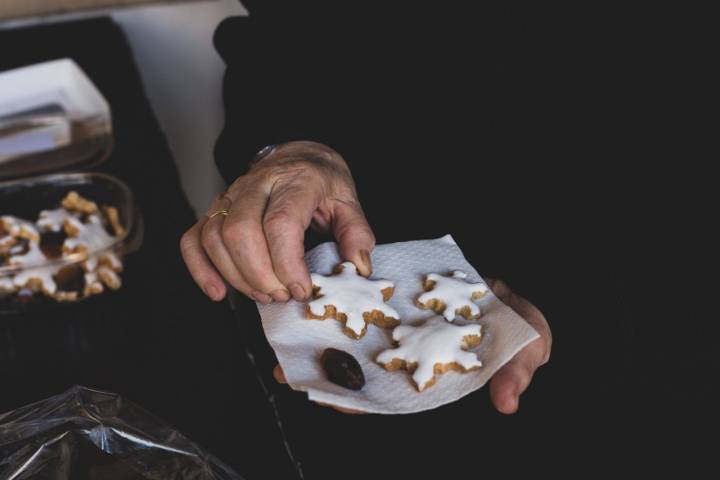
<point>514,377</point>
<point>252,236</point>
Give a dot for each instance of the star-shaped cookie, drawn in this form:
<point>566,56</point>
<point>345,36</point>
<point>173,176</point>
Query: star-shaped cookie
<point>452,296</point>
<point>353,300</point>
<point>431,349</point>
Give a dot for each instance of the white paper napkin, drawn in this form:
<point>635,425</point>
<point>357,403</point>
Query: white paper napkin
<point>299,342</point>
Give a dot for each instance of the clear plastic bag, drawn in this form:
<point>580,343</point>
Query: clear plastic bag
<point>89,434</point>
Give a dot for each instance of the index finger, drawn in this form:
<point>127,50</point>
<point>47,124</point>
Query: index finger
<point>288,215</point>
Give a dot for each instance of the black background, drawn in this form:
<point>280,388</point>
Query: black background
<point>588,192</point>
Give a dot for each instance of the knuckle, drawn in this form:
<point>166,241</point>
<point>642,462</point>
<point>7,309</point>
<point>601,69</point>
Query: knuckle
<point>277,222</point>
<point>538,354</point>
<point>547,347</point>
<point>357,228</point>
<point>501,290</point>
<point>260,276</point>
<point>232,232</point>
<point>241,287</point>
<point>187,242</point>
<point>210,238</point>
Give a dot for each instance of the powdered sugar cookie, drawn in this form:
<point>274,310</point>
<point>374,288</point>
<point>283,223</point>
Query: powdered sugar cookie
<point>431,349</point>
<point>37,250</point>
<point>452,296</point>
<point>353,300</point>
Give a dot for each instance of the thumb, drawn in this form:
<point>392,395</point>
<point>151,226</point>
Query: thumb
<point>354,236</point>
<point>514,377</point>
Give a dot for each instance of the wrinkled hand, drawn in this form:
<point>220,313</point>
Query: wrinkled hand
<point>257,246</point>
<point>513,378</point>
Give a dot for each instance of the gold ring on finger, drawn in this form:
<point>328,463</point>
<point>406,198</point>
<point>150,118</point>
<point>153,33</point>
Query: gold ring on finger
<point>224,213</point>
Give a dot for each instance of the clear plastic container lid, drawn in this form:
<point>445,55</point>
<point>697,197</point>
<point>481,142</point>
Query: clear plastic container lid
<point>52,119</point>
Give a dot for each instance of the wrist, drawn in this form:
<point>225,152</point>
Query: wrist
<point>297,151</point>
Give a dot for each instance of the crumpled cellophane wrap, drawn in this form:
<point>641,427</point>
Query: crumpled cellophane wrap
<point>89,434</point>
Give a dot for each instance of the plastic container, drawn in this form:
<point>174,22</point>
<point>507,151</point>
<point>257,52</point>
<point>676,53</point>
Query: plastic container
<point>52,118</point>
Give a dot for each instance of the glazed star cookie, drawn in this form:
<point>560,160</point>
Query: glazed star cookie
<point>451,296</point>
<point>17,228</point>
<point>432,349</point>
<point>35,251</point>
<point>37,279</point>
<point>353,300</point>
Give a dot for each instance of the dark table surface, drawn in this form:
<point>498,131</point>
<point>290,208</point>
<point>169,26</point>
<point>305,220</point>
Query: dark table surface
<point>620,372</point>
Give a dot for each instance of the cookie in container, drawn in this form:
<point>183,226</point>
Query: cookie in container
<point>63,235</point>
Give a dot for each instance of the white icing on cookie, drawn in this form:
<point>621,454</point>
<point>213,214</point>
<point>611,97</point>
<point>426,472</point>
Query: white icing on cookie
<point>435,342</point>
<point>352,295</point>
<point>33,256</point>
<point>33,272</point>
<point>37,272</point>
<point>17,227</point>
<point>455,293</point>
<point>42,275</point>
<point>53,220</point>
<point>91,235</point>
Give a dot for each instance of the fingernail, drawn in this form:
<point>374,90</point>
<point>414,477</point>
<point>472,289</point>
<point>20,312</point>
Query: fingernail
<point>298,292</point>
<point>280,295</point>
<point>261,298</point>
<point>367,263</point>
<point>211,291</point>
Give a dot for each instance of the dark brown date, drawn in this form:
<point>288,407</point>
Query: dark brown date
<point>342,369</point>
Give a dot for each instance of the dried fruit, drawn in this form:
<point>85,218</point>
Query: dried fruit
<point>51,244</point>
<point>70,278</point>
<point>342,369</point>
